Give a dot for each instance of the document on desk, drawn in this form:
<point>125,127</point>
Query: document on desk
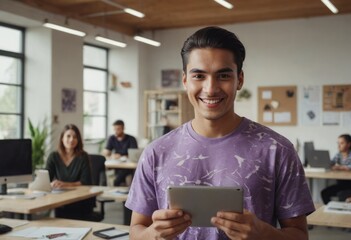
<point>338,207</point>
<point>43,232</point>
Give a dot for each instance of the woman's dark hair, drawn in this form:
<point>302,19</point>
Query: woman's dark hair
<point>346,137</point>
<point>78,150</point>
<point>214,37</point>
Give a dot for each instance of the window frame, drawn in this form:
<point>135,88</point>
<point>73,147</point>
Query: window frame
<point>106,70</point>
<point>21,58</point>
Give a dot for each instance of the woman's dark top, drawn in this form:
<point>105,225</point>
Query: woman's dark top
<point>78,170</point>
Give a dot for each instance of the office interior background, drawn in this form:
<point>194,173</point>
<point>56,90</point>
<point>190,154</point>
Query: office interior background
<point>302,51</point>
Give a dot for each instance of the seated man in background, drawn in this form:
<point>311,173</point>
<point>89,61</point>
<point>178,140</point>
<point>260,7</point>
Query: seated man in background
<point>341,162</point>
<point>117,148</point>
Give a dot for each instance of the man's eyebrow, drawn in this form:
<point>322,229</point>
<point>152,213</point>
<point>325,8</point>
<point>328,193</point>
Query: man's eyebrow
<point>196,70</point>
<point>225,70</point>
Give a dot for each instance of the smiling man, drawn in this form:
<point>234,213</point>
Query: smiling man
<point>220,148</point>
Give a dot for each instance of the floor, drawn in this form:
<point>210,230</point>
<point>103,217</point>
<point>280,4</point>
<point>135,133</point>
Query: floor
<point>114,214</point>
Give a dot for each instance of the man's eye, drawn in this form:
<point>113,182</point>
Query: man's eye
<point>198,76</point>
<point>224,76</point>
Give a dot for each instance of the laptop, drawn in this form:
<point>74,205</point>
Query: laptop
<point>42,183</point>
<point>320,159</point>
<point>134,154</point>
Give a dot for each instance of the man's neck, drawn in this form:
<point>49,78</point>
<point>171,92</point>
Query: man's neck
<point>120,137</point>
<point>216,128</point>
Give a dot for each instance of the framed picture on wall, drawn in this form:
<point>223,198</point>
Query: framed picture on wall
<point>170,78</point>
<point>69,100</point>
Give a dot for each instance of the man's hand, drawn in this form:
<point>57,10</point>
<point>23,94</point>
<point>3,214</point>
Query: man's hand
<point>116,156</point>
<point>167,224</point>
<point>239,226</point>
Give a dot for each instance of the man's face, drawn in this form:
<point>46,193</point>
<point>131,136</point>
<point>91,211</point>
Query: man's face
<point>211,81</point>
<point>119,130</point>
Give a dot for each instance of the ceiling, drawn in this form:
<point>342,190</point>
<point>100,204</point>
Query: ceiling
<point>167,14</point>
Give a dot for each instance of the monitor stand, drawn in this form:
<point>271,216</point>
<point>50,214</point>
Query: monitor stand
<point>3,191</point>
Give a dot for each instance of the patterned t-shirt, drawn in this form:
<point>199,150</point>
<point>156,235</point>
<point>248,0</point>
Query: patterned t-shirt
<point>254,157</point>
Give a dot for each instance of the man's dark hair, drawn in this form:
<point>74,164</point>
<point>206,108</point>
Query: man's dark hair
<point>214,37</point>
<point>118,122</point>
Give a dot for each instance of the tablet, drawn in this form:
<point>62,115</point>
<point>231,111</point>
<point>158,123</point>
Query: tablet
<point>203,202</point>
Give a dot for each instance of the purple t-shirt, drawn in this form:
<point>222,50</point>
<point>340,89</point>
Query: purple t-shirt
<point>254,157</point>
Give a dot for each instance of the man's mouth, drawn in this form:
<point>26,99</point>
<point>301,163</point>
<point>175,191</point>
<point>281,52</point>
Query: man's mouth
<point>211,101</point>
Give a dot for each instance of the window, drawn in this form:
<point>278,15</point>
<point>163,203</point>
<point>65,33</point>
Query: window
<point>11,81</point>
<point>95,92</point>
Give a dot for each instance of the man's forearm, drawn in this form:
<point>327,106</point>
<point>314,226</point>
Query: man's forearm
<point>139,232</point>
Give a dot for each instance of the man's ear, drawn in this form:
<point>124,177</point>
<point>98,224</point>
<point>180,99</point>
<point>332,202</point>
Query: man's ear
<point>240,80</point>
<point>184,80</point>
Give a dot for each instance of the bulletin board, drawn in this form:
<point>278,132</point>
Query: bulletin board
<point>337,98</point>
<point>277,106</point>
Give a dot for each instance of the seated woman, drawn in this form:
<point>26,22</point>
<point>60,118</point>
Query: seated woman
<point>341,162</point>
<point>69,167</point>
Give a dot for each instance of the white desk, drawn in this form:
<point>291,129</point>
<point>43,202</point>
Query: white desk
<point>321,218</point>
<point>117,164</point>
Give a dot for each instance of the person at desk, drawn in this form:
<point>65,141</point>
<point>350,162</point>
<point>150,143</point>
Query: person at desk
<point>117,148</point>
<point>341,162</point>
<point>220,148</point>
<point>69,167</point>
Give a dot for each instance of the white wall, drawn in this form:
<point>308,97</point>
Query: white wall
<point>67,72</point>
<point>124,102</point>
<point>300,52</point>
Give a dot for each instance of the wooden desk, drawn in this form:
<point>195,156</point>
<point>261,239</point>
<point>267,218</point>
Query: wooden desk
<point>115,164</point>
<point>321,218</point>
<point>47,202</point>
<point>57,222</point>
<point>339,175</point>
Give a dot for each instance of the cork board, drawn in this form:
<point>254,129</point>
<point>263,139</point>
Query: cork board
<point>337,98</point>
<point>277,106</point>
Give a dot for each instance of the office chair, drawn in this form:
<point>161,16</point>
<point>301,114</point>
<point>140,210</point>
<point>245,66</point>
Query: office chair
<point>98,172</point>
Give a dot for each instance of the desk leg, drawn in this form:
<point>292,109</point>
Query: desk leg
<point>127,215</point>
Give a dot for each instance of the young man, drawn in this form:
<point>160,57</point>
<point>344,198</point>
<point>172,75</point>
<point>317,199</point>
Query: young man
<point>220,148</point>
<point>117,147</point>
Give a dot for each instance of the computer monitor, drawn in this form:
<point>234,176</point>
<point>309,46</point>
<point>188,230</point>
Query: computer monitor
<point>308,151</point>
<point>15,162</point>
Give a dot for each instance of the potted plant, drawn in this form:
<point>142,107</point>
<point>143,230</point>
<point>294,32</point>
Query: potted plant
<point>39,135</point>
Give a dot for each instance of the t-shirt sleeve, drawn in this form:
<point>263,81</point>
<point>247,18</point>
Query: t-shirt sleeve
<point>85,177</point>
<point>109,144</point>
<point>293,197</point>
<point>133,143</point>
<point>142,196</point>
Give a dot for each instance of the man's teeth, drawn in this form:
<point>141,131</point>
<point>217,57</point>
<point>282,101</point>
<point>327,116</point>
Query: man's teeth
<point>211,101</point>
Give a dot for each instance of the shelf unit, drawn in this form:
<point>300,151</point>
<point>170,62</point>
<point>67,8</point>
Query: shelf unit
<point>165,110</point>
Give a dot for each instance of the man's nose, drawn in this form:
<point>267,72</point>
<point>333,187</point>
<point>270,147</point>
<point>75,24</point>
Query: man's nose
<point>211,86</point>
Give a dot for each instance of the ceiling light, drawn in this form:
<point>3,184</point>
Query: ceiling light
<point>224,4</point>
<point>147,41</point>
<point>64,29</point>
<point>110,41</point>
<point>134,12</point>
<point>330,6</point>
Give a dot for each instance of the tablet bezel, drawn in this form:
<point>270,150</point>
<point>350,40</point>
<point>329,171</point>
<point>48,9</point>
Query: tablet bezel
<point>203,202</point>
